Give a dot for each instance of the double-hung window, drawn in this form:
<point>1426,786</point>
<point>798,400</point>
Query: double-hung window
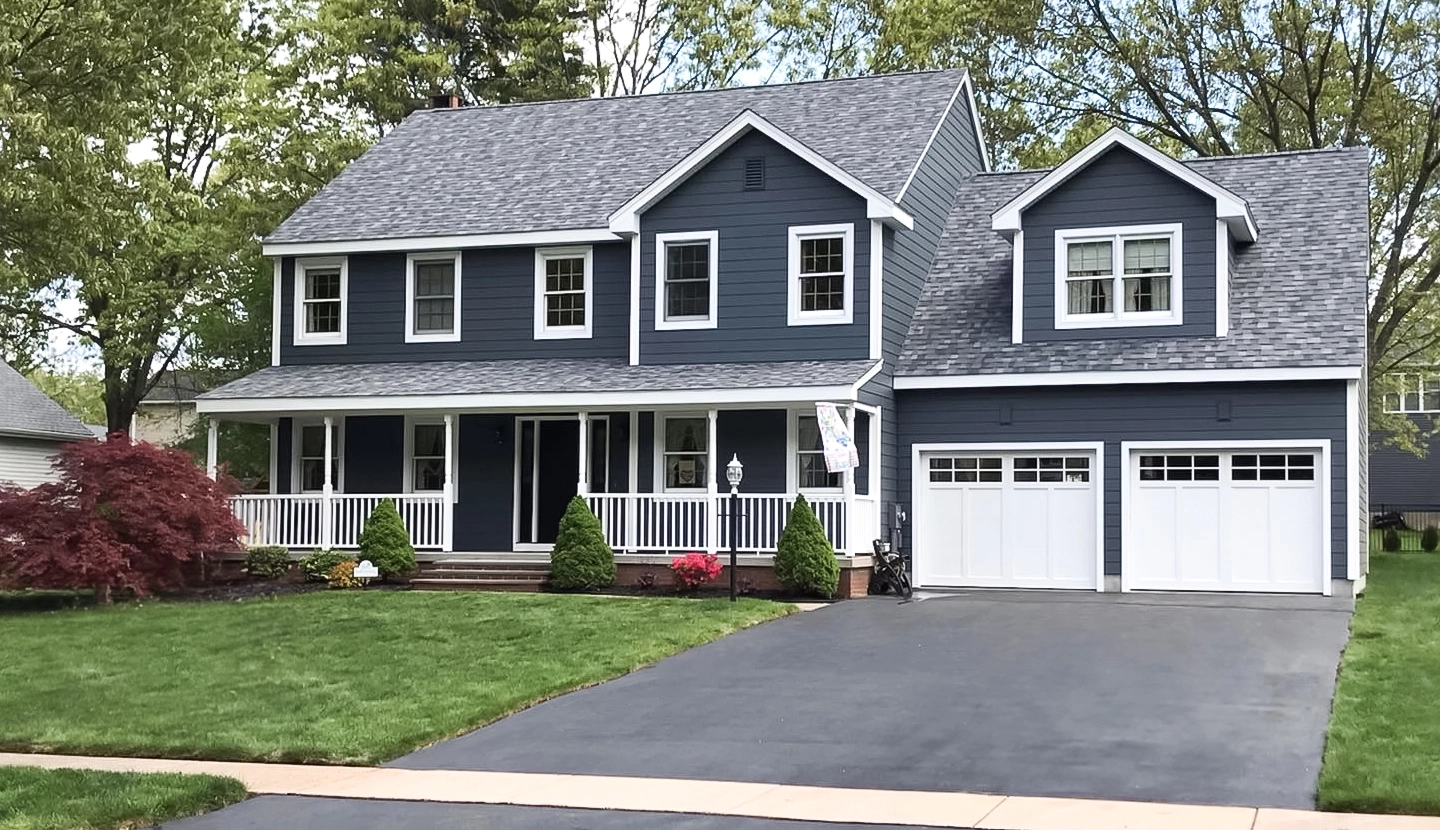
<point>685,453</point>
<point>320,299</point>
<point>432,297</point>
<point>822,274</point>
<point>1413,394</point>
<point>310,458</point>
<point>1118,276</point>
<point>426,470</point>
<point>810,471</point>
<point>686,280</point>
<point>563,293</point>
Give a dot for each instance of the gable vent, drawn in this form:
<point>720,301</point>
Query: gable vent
<point>755,174</point>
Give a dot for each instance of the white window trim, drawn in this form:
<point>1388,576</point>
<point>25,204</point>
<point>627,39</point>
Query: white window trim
<point>408,475</point>
<point>301,338</point>
<point>544,331</point>
<point>792,453</point>
<point>821,318</point>
<point>662,261</point>
<point>1409,383</point>
<point>659,480</point>
<point>297,427</point>
<point>411,336</point>
<point>1119,318</point>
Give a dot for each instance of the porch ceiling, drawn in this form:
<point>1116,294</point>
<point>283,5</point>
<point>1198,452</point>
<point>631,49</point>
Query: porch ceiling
<point>533,384</point>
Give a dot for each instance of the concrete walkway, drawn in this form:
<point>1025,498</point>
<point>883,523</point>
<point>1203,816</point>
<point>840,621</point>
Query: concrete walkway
<point>734,798</point>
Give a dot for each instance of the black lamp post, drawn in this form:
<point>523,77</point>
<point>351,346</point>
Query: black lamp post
<point>734,471</point>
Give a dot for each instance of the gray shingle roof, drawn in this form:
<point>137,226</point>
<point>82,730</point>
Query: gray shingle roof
<point>569,164</point>
<point>1297,295</point>
<point>26,411</point>
<point>473,377</point>
<point>174,386</point>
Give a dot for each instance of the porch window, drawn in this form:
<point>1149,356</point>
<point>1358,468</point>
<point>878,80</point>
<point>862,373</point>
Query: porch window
<point>320,290</point>
<point>427,457</point>
<point>563,293</point>
<point>432,287</point>
<point>686,280</point>
<point>822,274</point>
<point>810,457</point>
<point>312,458</point>
<point>686,450</point>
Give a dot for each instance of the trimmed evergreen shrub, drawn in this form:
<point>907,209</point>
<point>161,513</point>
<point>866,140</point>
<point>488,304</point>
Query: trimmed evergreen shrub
<point>318,565</point>
<point>804,558</point>
<point>267,562</point>
<point>386,542</point>
<point>581,560</point>
<point>1430,539</point>
<point>1390,540</point>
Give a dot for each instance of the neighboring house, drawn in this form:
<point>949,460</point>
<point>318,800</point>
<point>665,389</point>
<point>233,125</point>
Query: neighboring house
<point>32,429</point>
<point>1400,480</point>
<point>166,416</point>
<point>1125,373</point>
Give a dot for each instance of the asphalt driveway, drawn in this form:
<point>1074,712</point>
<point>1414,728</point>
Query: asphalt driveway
<point>1194,699</point>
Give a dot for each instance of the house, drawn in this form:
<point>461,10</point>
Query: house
<point>166,415</point>
<point>1126,373</point>
<point>1401,481</point>
<point>33,428</point>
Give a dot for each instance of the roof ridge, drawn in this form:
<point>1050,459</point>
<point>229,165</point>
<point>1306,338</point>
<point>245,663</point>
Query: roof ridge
<point>1207,159</point>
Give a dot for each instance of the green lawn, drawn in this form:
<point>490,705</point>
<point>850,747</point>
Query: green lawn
<point>67,799</point>
<point>329,677</point>
<point>1382,753</point>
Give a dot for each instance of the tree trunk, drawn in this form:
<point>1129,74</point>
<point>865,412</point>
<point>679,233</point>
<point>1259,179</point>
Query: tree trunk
<point>103,596</point>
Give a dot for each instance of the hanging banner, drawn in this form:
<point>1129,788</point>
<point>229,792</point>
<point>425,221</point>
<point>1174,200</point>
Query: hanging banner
<point>841,453</point>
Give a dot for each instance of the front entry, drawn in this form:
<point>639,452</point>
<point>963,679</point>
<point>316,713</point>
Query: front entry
<point>547,471</point>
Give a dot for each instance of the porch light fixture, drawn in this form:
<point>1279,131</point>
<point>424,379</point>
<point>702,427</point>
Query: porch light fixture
<point>734,472</point>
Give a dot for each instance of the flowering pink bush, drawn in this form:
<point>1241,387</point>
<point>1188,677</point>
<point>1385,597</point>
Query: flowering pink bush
<point>695,569</point>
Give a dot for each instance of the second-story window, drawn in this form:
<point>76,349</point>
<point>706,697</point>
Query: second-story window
<point>1117,276</point>
<point>320,291</point>
<point>822,274</point>
<point>432,289</point>
<point>686,280</point>
<point>1413,394</point>
<point>564,290</point>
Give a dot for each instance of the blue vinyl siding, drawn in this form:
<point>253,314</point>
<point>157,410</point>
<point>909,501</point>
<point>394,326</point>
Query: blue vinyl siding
<point>1175,412</point>
<point>1120,188</point>
<point>497,299</point>
<point>753,267</point>
<point>757,436</point>
<point>1400,480</point>
<point>375,454</point>
<point>284,452</point>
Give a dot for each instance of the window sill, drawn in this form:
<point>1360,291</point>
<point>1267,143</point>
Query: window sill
<point>438,337</point>
<point>801,318</point>
<point>682,325</point>
<point>575,333</point>
<point>1107,322</point>
<point>319,340</point>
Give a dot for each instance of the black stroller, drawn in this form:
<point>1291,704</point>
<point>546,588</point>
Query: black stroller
<point>891,571</point>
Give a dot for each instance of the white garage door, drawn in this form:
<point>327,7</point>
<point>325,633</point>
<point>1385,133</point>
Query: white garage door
<point>1250,520</point>
<point>1006,520</point>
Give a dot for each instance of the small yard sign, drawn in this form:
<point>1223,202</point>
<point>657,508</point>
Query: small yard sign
<point>366,570</point>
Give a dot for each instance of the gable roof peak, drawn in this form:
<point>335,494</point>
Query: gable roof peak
<point>1229,207</point>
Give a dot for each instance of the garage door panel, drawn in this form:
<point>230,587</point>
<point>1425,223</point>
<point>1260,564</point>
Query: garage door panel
<point>1153,529</point>
<point>1072,519</point>
<point>1029,533</point>
<point>984,533</point>
<point>1292,543</point>
<point>1197,533</point>
<point>947,507</point>
<point>1247,534</point>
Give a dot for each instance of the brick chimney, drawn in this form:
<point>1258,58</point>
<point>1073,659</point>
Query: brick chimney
<point>444,101</point>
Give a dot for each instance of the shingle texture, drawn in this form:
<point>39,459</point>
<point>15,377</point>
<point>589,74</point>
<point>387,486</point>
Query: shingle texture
<point>1297,295</point>
<point>455,377</point>
<point>569,164</point>
<point>25,410</point>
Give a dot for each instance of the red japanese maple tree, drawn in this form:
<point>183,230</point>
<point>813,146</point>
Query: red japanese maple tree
<point>123,516</point>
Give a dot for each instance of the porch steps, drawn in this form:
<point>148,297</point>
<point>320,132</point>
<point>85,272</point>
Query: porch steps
<point>477,575</point>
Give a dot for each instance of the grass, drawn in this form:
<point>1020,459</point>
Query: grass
<point>1381,750</point>
<point>67,799</point>
<point>330,677</point>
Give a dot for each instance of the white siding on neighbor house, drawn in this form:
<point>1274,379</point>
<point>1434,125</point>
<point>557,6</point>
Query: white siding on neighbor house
<point>26,461</point>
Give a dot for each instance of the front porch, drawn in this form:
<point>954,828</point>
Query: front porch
<point>497,482</point>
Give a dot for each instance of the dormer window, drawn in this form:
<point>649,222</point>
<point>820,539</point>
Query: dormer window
<point>1117,276</point>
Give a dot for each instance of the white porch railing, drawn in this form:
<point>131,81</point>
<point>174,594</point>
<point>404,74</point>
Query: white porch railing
<point>301,521</point>
<point>645,522</point>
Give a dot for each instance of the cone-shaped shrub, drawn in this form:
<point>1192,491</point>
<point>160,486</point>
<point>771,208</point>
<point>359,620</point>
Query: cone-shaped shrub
<point>386,542</point>
<point>804,559</point>
<point>580,559</point>
<point>1390,540</point>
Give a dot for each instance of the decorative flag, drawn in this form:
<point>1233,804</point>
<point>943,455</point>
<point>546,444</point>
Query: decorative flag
<point>840,451</point>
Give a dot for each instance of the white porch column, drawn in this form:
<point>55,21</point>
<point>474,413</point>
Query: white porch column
<point>712,490</point>
<point>632,502</point>
<point>876,459</point>
<point>447,538</point>
<point>582,485</point>
<point>847,487</point>
<point>327,491</point>
<point>212,447</point>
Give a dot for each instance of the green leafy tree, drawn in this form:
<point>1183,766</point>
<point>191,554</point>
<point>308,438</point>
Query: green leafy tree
<point>80,392</point>
<point>581,559</point>
<point>804,558</point>
<point>386,542</point>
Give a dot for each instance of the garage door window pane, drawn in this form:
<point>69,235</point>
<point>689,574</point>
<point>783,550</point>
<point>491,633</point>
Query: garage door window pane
<point>965,469</point>
<point>1179,468</point>
<point>1272,467</point>
<point>942,470</point>
<point>1054,469</point>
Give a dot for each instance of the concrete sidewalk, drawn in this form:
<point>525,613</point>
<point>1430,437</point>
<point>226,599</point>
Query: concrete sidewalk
<point>733,798</point>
